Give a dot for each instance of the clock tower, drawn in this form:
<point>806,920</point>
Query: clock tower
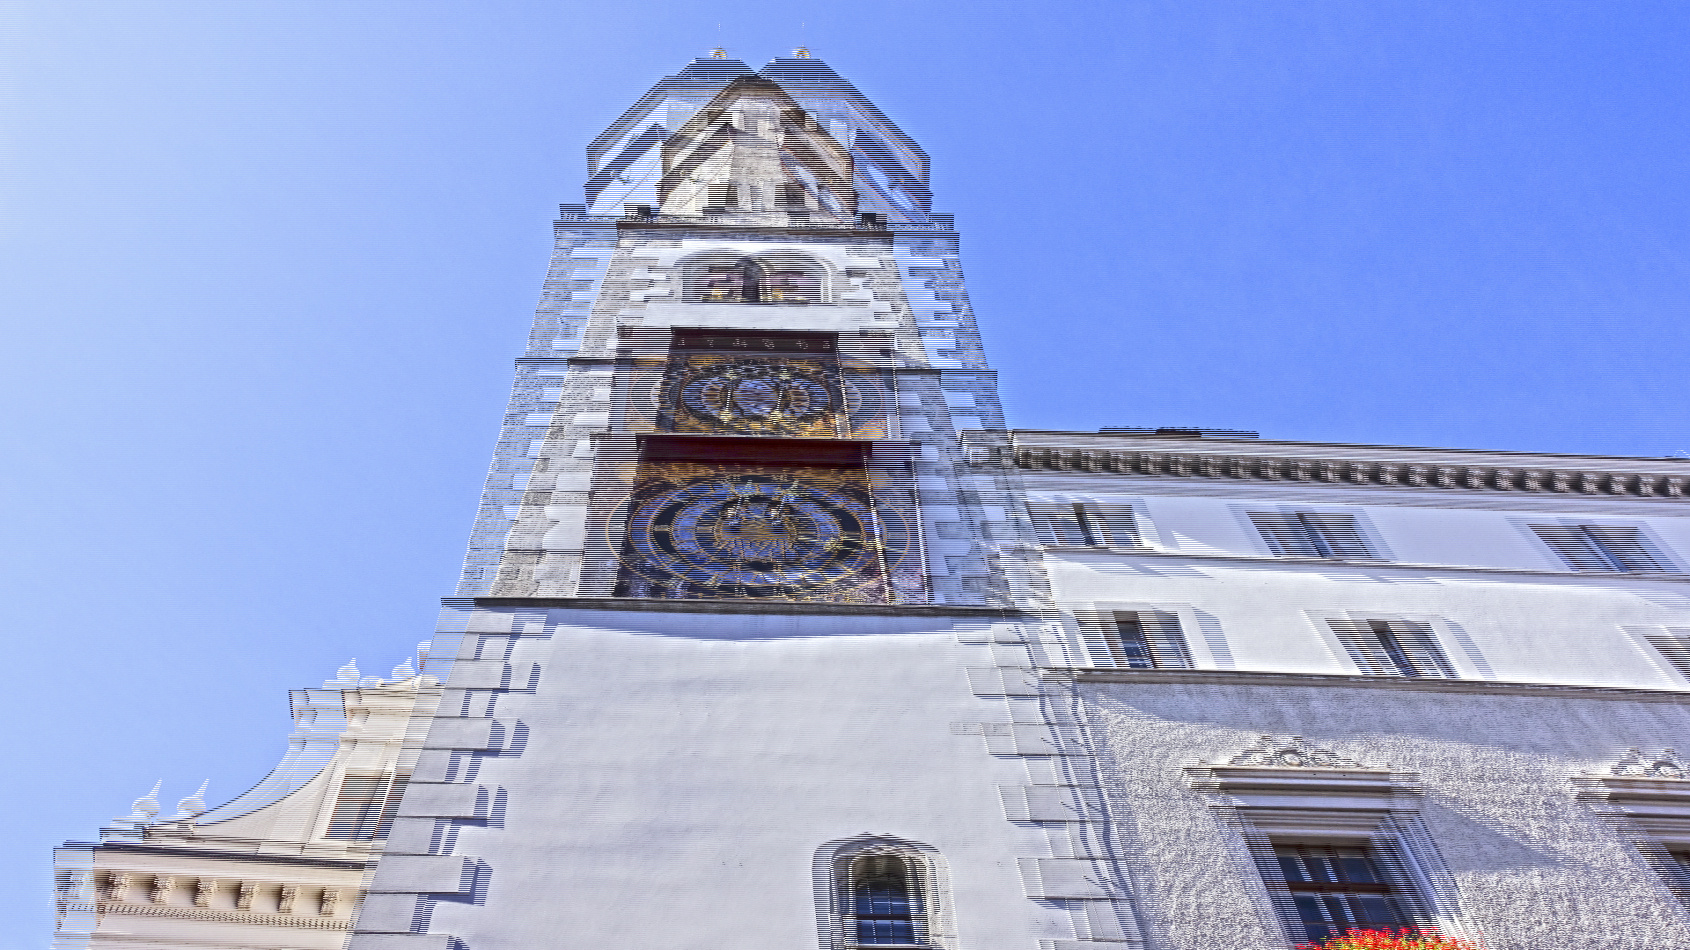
<point>746,571</point>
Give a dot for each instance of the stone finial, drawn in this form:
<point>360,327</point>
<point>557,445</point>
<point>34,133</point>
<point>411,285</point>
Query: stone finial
<point>346,676</point>
<point>194,805</point>
<point>146,808</point>
<point>1292,752</point>
<point>404,671</point>
<point>1635,764</point>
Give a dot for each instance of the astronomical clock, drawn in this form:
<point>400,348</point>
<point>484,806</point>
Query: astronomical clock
<point>779,385</point>
<point>753,494</point>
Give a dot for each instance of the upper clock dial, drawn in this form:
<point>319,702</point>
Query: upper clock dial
<point>755,396</point>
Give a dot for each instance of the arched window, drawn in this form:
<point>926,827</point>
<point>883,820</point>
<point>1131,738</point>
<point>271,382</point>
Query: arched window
<point>782,278</point>
<point>791,280</point>
<point>718,282</point>
<point>883,900</point>
<point>877,891</point>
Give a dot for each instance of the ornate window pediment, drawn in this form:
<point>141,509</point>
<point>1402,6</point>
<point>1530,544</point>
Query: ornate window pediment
<point>1292,752</point>
<point>1278,768</point>
<point>1646,798</point>
<point>1635,764</point>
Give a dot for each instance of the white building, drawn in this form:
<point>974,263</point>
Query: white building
<point>771,635</point>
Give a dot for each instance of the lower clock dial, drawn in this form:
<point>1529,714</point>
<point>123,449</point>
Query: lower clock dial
<point>753,535</point>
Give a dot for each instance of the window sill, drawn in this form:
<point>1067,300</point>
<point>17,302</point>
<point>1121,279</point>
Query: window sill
<point>1236,678</point>
<point>1264,559</point>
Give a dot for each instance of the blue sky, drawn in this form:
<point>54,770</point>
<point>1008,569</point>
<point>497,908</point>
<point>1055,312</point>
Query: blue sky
<point>264,266</point>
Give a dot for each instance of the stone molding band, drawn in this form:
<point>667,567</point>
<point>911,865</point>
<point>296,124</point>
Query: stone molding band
<point>1345,472</point>
<point>1239,678</point>
<point>219,916</point>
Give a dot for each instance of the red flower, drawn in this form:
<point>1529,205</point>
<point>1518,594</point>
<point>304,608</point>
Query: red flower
<point>1391,940</point>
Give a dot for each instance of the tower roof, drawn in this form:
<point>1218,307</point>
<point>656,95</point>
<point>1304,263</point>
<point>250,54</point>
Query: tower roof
<point>625,160</point>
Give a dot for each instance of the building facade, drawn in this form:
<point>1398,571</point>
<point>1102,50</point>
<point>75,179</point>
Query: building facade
<point>771,634</point>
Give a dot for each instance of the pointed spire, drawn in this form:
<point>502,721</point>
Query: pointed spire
<point>146,807</point>
<point>194,805</point>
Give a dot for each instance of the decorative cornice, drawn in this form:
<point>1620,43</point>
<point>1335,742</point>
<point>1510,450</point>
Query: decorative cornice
<point>750,221</point>
<point>251,853</point>
<point>1344,466</point>
<point>741,607</point>
<point>741,223</point>
<point>209,916</point>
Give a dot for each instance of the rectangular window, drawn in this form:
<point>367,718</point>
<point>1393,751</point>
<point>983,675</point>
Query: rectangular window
<point>365,807</point>
<point>1311,534</point>
<point>1085,523</point>
<point>1058,523</point>
<point>1333,889</point>
<point>1674,866</point>
<point>720,195</point>
<point>1673,643</point>
<point>1595,547</point>
<point>1393,648</point>
<point>1135,639</point>
<point>1110,525</point>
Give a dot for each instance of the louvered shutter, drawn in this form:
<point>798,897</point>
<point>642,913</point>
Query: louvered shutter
<point>1285,534</point>
<point>390,807</point>
<point>1098,633</point>
<point>1574,546</point>
<point>358,810</point>
<point>1364,647</point>
<point>1624,547</point>
<point>1415,643</point>
<point>1162,633</point>
<point>1337,532</point>
<point>1674,647</point>
<point>1111,524</point>
<point>1056,523</point>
